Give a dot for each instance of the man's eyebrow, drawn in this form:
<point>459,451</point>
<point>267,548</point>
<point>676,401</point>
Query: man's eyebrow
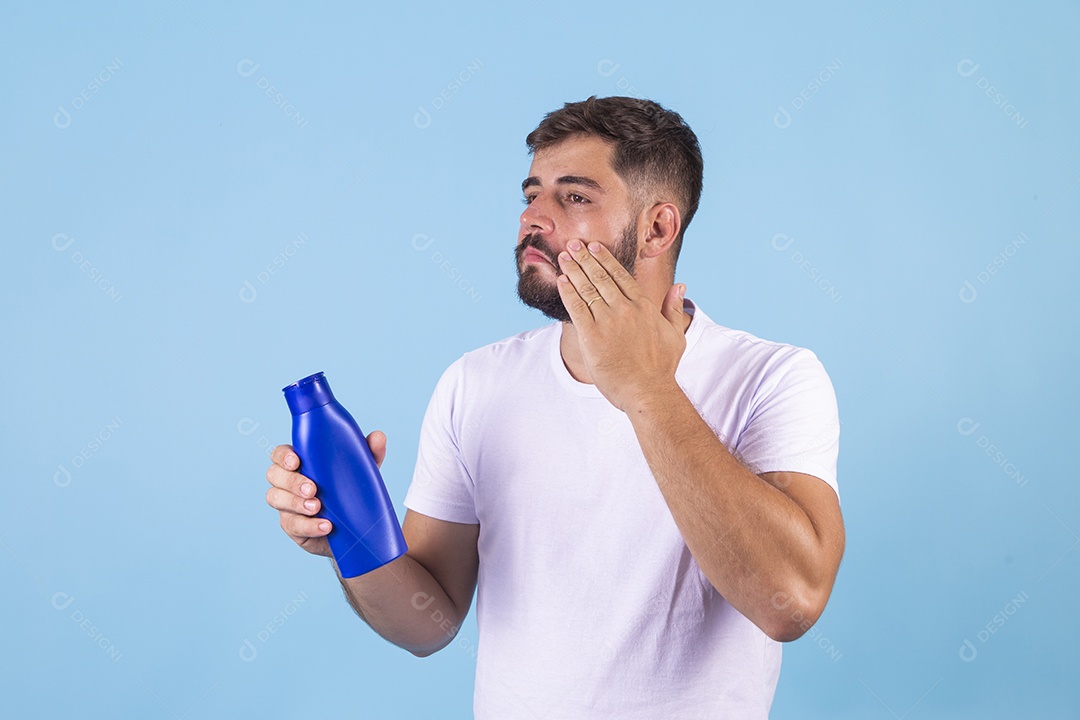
<point>564,180</point>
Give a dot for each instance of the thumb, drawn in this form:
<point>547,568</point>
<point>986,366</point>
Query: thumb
<point>376,441</point>
<point>673,305</point>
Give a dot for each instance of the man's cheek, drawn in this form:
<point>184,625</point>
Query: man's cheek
<point>586,232</point>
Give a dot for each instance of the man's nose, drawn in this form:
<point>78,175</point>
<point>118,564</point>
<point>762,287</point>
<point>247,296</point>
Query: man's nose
<point>536,218</point>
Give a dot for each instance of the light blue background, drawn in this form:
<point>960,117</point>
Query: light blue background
<point>141,383</point>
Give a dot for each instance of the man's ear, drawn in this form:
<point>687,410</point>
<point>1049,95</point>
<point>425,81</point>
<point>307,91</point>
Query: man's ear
<point>662,224</point>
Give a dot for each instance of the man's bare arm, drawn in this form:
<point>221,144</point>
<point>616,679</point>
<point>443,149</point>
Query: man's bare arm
<point>417,601</point>
<point>770,544</point>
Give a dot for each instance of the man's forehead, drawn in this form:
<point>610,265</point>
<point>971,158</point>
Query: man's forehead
<point>582,156</point>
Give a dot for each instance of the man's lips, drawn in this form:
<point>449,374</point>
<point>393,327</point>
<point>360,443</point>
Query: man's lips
<point>533,255</point>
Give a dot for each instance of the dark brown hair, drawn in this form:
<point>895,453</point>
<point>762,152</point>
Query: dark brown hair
<point>655,151</point>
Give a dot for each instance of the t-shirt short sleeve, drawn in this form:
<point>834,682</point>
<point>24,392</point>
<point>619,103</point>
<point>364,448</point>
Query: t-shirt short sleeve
<point>794,424</point>
<point>441,486</point>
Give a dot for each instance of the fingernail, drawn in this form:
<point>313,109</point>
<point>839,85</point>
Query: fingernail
<point>309,504</point>
<point>575,245</point>
<point>594,247</point>
<point>308,489</point>
<point>324,526</point>
<point>290,461</point>
<point>682,291</point>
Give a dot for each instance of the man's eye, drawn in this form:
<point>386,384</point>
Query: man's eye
<point>572,198</point>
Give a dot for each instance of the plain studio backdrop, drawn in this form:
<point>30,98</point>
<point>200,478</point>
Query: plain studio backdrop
<point>201,203</point>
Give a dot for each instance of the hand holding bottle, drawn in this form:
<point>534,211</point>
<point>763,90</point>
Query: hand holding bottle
<point>293,495</point>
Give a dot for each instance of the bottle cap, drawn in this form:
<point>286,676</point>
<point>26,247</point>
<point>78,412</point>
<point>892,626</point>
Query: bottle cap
<point>308,394</point>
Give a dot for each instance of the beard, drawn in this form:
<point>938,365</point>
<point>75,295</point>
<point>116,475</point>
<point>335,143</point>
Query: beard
<point>541,293</point>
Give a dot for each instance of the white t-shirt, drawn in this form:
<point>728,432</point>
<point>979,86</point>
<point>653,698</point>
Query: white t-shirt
<point>589,604</point>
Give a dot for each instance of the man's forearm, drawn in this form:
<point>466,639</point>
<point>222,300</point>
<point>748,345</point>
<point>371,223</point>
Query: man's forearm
<point>749,539</point>
<point>403,603</point>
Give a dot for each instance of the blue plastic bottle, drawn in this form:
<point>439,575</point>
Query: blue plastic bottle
<point>334,453</point>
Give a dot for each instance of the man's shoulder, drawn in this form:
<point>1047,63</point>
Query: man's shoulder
<point>719,340</point>
<point>726,362</point>
<point>513,351</point>
<point>523,343</point>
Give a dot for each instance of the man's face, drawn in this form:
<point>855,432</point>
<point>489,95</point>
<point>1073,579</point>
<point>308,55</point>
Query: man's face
<point>571,193</point>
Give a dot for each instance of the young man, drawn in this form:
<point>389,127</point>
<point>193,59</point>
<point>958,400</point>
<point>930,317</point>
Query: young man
<point>647,499</point>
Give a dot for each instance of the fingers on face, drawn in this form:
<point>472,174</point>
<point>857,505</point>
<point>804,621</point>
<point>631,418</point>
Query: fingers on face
<point>581,273</point>
<point>595,274</point>
<point>611,273</point>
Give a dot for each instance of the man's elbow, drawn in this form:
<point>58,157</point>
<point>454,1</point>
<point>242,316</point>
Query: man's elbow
<point>790,615</point>
<point>423,651</point>
<point>435,644</point>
